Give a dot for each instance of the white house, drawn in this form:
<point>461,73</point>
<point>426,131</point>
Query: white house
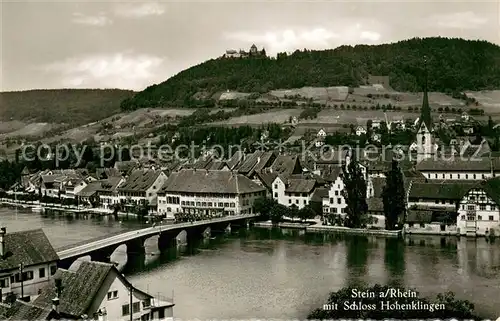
<point>295,190</point>
<point>479,210</point>
<point>72,186</point>
<point>321,133</point>
<point>208,192</point>
<point>108,192</point>
<point>376,123</point>
<point>335,203</point>
<point>25,265</point>
<point>141,187</point>
<point>97,291</point>
<point>360,130</point>
<point>465,116</point>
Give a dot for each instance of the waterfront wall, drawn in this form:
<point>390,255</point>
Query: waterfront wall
<point>360,231</point>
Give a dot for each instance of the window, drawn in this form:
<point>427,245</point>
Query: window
<point>53,269</point>
<point>28,275</point>
<point>275,186</point>
<point>331,200</point>
<point>125,309</point>
<point>4,283</point>
<point>209,204</point>
<point>436,201</point>
<point>232,205</point>
<point>466,176</point>
<point>41,273</point>
<point>339,200</point>
<point>296,201</point>
<point>222,205</point>
<point>479,218</point>
<point>146,303</point>
<point>337,193</point>
<point>334,210</point>
<point>482,207</point>
<point>474,176</point>
<point>112,295</point>
<point>136,307</point>
<point>410,224</point>
<point>490,217</point>
<point>161,314</point>
<point>305,202</point>
<point>463,217</point>
<point>290,201</point>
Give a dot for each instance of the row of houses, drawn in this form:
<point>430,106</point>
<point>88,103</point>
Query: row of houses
<point>213,186</point>
<point>32,287</point>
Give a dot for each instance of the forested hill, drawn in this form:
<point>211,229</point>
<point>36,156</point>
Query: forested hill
<point>453,64</point>
<point>71,106</point>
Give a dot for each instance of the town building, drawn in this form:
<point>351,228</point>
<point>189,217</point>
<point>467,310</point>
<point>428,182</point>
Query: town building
<point>27,262</point>
<point>206,192</point>
<point>458,168</point>
<point>141,187</point>
<point>107,191</point>
<point>360,130</point>
<point>96,291</point>
<point>479,209</point>
<point>293,190</point>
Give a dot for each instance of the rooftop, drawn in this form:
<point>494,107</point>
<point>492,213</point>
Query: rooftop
<point>140,180</point>
<point>208,181</point>
<point>27,247</point>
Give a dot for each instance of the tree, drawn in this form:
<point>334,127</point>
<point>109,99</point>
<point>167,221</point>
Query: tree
<point>278,211</point>
<point>306,213</point>
<point>263,205</point>
<point>354,193</point>
<point>293,212</point>
<point>393,196</point>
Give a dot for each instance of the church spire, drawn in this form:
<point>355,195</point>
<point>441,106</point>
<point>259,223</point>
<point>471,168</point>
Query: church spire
<point>425,114</point>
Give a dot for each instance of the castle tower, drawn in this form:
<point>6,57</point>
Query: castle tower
<point>425,139</point>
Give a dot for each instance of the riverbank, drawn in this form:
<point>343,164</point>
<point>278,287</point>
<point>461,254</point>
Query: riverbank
<point>36,206</point>
<point>356,231</point>
<point>294,225</point>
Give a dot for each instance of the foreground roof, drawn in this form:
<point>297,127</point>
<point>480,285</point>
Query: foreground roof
<point>79,288</point>
<point>28,247</point>
<point>207,181</point>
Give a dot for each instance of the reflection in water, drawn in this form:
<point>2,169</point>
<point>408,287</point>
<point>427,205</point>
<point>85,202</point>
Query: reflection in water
<point>357,259</point>
<point>394,260</point>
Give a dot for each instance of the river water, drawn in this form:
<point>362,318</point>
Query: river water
<point>264,273</point>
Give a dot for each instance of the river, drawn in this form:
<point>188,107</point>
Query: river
<point>264,273</point>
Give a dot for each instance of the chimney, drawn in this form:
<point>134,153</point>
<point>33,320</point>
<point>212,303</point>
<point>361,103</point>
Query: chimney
<point>258,160</point>
<point>3,231</point>
<point>55,304</point>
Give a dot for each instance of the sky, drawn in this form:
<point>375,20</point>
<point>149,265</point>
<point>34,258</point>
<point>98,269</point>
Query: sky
<point>134,44</point>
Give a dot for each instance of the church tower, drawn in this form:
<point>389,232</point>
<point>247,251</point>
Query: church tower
<point>425,139</point>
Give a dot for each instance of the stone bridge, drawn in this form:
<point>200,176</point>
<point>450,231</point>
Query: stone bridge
<point>101,249</point>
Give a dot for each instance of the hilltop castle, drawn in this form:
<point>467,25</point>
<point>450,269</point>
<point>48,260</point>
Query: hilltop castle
<point>253,52</point>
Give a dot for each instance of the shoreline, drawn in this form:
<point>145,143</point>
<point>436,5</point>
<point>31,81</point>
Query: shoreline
<point>61,208</point>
